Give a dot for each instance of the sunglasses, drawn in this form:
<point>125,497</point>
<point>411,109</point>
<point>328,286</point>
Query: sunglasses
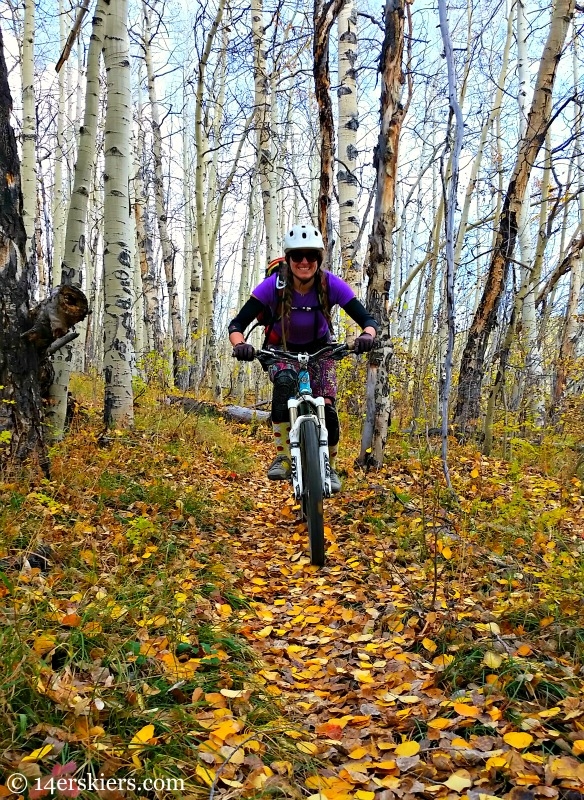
<point>299,255</point>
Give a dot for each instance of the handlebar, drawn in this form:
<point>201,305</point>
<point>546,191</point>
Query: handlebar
<point>333,350</point>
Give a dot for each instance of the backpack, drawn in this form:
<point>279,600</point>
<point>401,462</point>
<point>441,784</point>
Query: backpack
<point>267,317</point>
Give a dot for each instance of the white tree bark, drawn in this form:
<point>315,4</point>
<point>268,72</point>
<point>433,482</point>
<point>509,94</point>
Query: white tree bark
<point>150,289</point>
<point>263,101</point>
<point>29,133</point>
<point>180,370</point>
<point>118,280</point>
<point>352,269</point>
<point>76,228</point>
<point>58,193</point>
<point>450,208</point>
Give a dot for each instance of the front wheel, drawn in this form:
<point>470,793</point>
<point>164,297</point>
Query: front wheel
<point>312,494</point>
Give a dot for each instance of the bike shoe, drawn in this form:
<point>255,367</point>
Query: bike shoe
<point>335,482</point>
<point>280,469</point>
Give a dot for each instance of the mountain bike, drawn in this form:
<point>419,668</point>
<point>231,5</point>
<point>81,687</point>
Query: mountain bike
<point>311,471</point>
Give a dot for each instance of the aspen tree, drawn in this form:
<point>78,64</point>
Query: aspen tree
<point>379,266</point>
<point>150,289</point>
<point>118,282</point>
<point>180,372</point>
<point>58,192</point>
<point>351,269</point>
<point>29,134</point>
<point>202,180</point>
<point>20,406</point>
<point>472,365</point>
<point>264,143</point>
<point>324,16</point>
<point>570,328</point>
<point>450,208</point>
<point>244,281</point>
<point>188,216</point>
<point>76,228</point>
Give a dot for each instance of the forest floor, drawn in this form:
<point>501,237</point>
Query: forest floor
<point>178,632</point>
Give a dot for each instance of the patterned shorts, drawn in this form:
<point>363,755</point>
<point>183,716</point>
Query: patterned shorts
<point>323,376</point>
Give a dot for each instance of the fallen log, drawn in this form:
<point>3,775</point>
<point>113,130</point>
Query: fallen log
<point>237,413</point>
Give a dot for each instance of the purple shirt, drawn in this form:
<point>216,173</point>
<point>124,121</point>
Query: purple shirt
<point>307,322</point>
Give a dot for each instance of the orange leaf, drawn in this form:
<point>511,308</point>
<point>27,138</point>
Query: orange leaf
<point>71,620</point>
<point>465,710</point>
<point>330,730</point>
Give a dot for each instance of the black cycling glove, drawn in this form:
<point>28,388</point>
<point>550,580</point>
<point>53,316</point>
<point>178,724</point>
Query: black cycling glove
<point>364,343</point>
<point>244,352</point>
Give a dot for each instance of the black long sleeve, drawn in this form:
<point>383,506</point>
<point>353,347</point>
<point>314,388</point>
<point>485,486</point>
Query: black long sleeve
<point>246,315</point>
<point>357,311</point>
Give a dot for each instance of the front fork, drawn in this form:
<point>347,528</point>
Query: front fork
<point>296,422</point>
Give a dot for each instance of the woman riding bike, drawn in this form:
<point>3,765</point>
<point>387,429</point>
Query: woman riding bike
<point>300,302</point>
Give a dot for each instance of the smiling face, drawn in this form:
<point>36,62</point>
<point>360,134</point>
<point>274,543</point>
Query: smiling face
<point>304,264</point>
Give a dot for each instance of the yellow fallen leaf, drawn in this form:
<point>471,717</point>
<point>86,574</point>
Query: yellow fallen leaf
<point>359,752</point>
<point>265,632</point>
<point>206,774</point>
<point>43,644</point>
<point>362,675</point>
<point>518,739</point>
<point>488,627</point>
<point>459,781</point>
<point>492,660</point>
<point>429,645</point>
<point>232,693</point>
<point>226,729</point>
<point>533,758</point>
<point>307,747</point>
<point>578,747</point>
<point>549,712</point>
<point>474,473</point>
<point>495,762</point>
<point>361,794</point>
<point>407,749</point>
<point>442,661</point>
<point>440,723</point>
<point>38,755</point>
<point>142,737</point>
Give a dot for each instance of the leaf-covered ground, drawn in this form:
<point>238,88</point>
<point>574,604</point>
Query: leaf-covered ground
<point>180,632</point>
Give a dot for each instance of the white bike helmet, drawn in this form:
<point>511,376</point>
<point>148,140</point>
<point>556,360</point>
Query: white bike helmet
<point>303,237</point>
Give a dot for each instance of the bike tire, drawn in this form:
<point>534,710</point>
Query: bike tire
<point>312,493</point>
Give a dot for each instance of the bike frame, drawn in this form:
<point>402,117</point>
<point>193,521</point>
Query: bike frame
<point>304,409</point>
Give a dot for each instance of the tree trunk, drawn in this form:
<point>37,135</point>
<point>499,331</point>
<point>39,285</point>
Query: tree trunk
<point>21,433</point>
<point>29,133</point>
<point>58,193</point>
<point>118,282</point>
<point>472,366</point>
<point>379,265</point>
<point>324,15</point>
<point>76,230</point>
<point>351,269</point>
<point>265,147</point>
<point>180,371</point>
